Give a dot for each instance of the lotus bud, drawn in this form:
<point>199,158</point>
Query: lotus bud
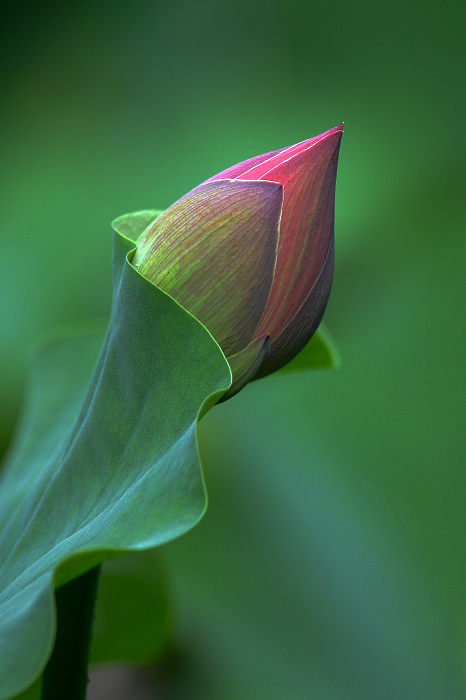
<point>250,253</point>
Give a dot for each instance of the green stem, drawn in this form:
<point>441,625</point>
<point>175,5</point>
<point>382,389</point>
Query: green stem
<point>65,675</point>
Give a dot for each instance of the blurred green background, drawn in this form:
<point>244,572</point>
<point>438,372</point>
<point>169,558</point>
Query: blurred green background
<point>331,562</point>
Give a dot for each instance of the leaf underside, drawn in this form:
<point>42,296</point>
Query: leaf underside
<point>105,467</point>
<point>105,460</point>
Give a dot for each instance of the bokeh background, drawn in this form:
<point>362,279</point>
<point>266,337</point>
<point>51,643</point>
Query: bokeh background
<point>331,561</point>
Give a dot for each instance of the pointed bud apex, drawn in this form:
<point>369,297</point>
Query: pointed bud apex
<point>250,253</point>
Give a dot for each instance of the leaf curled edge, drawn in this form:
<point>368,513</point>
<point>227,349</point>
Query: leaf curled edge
<point>106,469</point>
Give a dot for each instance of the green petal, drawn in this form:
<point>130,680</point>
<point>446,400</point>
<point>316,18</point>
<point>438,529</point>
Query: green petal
<point>214,251</point>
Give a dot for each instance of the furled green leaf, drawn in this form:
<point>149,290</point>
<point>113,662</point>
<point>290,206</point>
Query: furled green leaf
<point>103,470</point>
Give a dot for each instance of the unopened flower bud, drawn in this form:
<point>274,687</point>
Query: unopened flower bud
<point>250,253</point>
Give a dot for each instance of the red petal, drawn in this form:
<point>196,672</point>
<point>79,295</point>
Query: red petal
<point>235,171</point>
<point>300,329</point>
<point>306,230</point>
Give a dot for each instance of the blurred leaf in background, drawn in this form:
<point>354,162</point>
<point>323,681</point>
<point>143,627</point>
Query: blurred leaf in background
<point>331,562</point>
